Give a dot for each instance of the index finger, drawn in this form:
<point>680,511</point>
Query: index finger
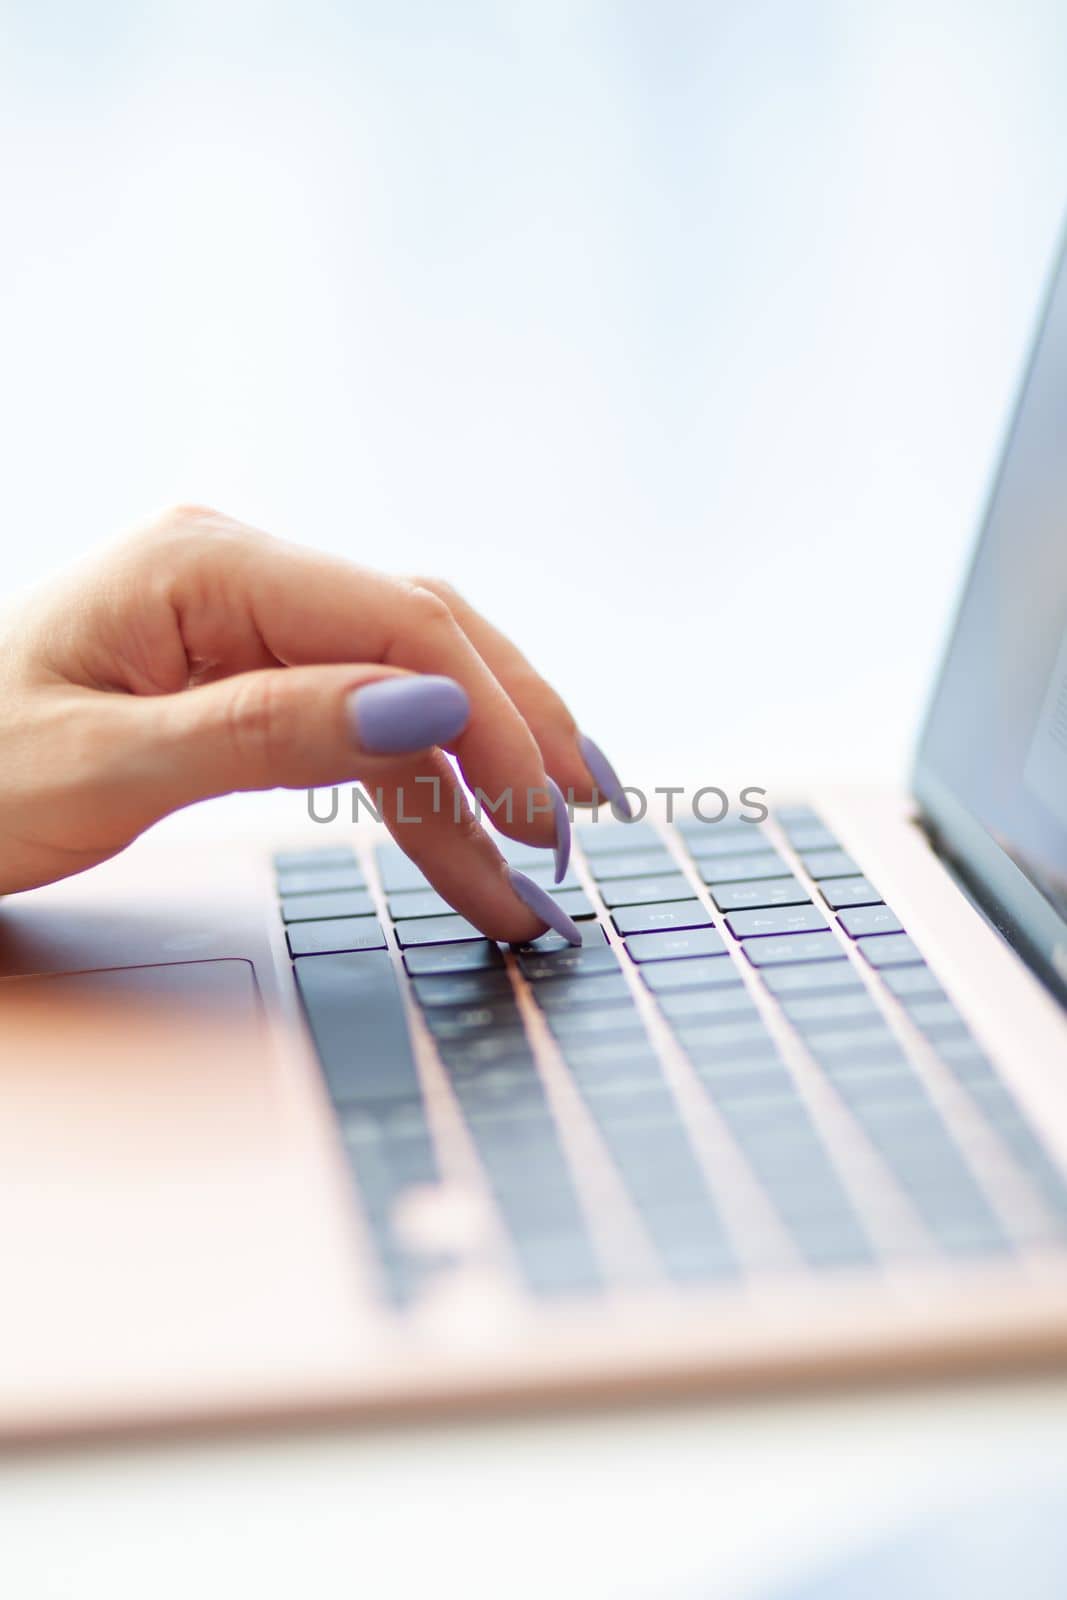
<point>311,608</point>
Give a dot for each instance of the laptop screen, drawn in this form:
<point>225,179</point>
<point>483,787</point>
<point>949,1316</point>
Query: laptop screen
<point>991,773</point>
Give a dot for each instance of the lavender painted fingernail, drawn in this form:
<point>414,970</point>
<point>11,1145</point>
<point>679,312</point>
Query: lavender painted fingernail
<point>398,715</point>
<point>542,905</point>
<point>605,777</point>
<point>561,817</point>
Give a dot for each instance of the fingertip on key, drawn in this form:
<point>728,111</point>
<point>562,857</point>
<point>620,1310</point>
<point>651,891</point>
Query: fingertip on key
<point>541,903</point>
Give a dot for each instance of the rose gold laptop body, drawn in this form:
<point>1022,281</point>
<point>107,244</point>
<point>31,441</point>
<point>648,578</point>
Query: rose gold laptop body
<point>182,1238</point>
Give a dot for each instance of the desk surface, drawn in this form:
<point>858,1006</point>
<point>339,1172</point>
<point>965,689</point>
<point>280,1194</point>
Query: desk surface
<point>708,1500</point>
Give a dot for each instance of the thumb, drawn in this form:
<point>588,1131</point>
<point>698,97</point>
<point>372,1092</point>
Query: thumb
<point>296,728</point>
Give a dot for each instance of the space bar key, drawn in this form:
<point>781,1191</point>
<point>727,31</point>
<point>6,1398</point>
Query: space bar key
<point>356,1015</point>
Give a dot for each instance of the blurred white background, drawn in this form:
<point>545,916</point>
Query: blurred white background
<point>679,335</point>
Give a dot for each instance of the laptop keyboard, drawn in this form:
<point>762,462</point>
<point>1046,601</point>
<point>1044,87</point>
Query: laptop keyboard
<point>772,1075</point>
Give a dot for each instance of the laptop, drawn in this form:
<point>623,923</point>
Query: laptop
<point>285,1136</point>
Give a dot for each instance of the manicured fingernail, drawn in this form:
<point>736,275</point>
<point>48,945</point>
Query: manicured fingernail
<point>605,777</point>
<point>542,905</point>
<point>397,715</point>
<point>561,817</point>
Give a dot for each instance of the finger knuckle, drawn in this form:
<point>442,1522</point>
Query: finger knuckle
<point>256,724</point>
<point>183,535</point>
<point>183,521</point>
<point>426,609</point>
<point>438,586</point>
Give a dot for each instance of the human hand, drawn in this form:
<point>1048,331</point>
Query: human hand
<point>200,657</point>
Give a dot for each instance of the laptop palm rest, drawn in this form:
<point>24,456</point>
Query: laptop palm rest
<point>160,1233</point>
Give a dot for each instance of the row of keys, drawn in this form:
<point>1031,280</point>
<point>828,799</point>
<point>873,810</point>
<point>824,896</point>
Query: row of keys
<point>714,1019</point>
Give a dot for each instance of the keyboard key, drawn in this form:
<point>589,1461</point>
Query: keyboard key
<point>780,1114</point>
<point>742,869</point>
<point>593,989</point>
<point>633,864</point>
<point>829,864</point>
<point>893,1086</point>
<point>729,1000</point>
<point>461,988</point>
<point>398,871</point>
<point>610,1063</point>
<point>312,907</point>
<point>534,1192</point>
<point>473,956</point>
<point>667,977</point>
<point>713,843</point>
<point>328,879</point>
<point>543,872</point>
<point>829,1010</point>
<point>474,1051</point>
<point>525,1167</point>
<point>793,947</point>
<point>890,950</point>
<point>723,1037</point>
<point>548,943</point>
<point>647,890</point>
<point>519,854</point>
<point>776,920</point>
<point>596,1022</point>
<point>862,1042</point>
<point>817,1206</point>
<point>960,1052</point>
<point>846,1246</point>
<point>462,1022</point>
<point>907,982</point>
<point>695,1256</point>
<point>387,1161</point>
<point>785,1150</point>
<point>605,838</point>
<point>435,930</point>
<point>793,816</point>
<point>575,902</point>
<point>689,824</point>
<point>811,836</point>
<point>324,855</point>
<point>930,1013</point>
<point>650,1146</point>
<point>650,919</point>
<point>564,961</point>
<point>821,977</point>
<point>675,945</point>
<point>334,935</point>
<point>966,1060</point>
<point>861,921</point>
<point>356,1015</point>
<point>841,892</point>
<point>507,1087</point>
<point>913,1141</point>
<point>418,903</point>
<point>557,1265</point>
<point>768,892</point>
<point>757,1078</point>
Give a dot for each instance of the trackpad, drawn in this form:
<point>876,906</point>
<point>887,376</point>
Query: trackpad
<point>135,1066</point>
<point>227,986</point>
